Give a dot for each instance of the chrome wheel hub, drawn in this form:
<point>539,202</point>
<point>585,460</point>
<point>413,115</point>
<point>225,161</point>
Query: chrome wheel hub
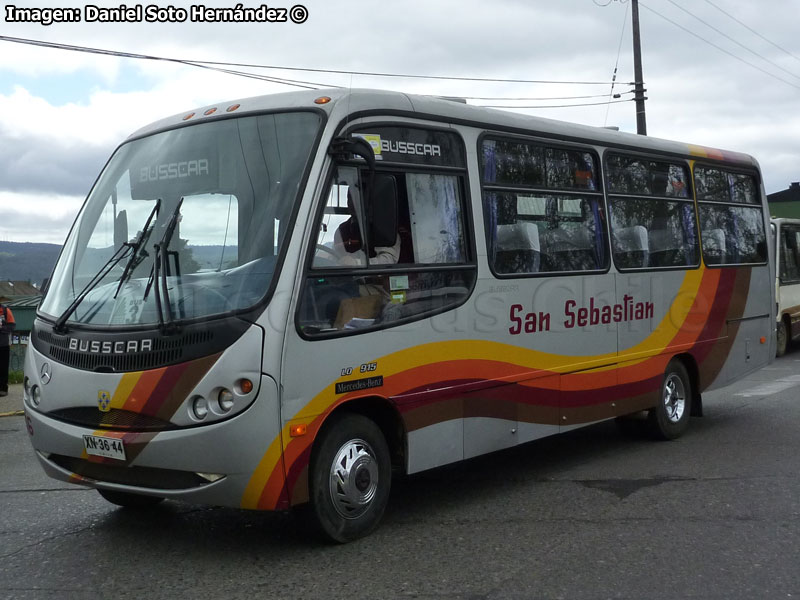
<point>674,398</point>
<point>353,479</point>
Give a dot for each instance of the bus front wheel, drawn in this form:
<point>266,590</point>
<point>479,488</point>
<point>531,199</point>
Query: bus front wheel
<point>670,418</point>
<point>351,474</point>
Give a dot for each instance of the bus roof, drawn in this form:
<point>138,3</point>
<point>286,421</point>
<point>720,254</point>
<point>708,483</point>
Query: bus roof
<point>350,103</point>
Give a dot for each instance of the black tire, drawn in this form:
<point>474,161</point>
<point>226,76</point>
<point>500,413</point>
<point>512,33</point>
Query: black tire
<point>129,500</point>
<point>350,477</point>
<point>670,418</point>
<point>783,338</point>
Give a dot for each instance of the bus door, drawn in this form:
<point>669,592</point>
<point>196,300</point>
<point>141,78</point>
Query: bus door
<point>392,253</point>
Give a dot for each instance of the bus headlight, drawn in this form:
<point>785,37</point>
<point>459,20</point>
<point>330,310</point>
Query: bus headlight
<point>200,408</point>
<point>36,395</point>
<point>225,400</point>
<point>26,386</point>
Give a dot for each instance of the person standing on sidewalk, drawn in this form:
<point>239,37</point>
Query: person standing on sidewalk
<point>7,325</point>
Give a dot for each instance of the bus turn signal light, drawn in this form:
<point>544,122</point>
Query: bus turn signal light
<point>298,430</point>
<point>763,340</point>
<point>246,386</point>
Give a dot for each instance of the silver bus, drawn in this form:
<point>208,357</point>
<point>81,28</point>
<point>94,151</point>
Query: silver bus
<point>280,300</point>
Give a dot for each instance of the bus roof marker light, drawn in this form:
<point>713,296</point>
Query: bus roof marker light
<point>210,111</point>
<point>189,116</point>
<point>322,100</point>
<point>232,107</point>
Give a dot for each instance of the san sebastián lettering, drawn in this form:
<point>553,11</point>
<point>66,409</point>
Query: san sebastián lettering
<point>580,316</point>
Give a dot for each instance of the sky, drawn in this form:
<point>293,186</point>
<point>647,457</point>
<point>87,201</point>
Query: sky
<point>721,73</point>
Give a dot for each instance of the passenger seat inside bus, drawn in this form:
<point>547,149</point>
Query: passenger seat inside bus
<point>517,249</point>
<point>569,249</point>
<point>714,246</point>
<point>631,248</point>
<point>665,247</point>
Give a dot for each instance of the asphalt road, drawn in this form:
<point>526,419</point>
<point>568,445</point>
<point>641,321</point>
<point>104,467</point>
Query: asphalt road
<point>589,514</point>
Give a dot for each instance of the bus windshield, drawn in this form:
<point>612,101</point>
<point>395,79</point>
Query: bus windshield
<point>184,224</point>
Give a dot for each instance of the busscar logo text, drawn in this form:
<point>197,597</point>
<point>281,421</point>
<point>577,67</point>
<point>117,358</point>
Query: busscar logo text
<point>176,170</point>
<point>119,347</point>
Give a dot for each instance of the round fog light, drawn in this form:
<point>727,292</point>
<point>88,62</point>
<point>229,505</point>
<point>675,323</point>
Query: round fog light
<point>36,395</point>
<point>200,408</point>
<point>225,400</point>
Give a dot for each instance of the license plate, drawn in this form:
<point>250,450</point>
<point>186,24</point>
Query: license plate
<point>104,446</point>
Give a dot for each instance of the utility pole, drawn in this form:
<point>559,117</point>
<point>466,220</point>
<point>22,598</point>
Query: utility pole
<point>638,84</point>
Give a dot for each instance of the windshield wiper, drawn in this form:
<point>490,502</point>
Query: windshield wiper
<point>112,262</point>
<point>139,253</point>
<point>160,271</point>
<point>119,254</point>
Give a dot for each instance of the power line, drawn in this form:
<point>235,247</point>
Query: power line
<point>118,54</point>
<point>558,105</point>
<point>746,26</point>
<point>214,64</point>
<point>735,41</point>
<point>616,64</point>
<point>540,99</point>
<point>720,48</point>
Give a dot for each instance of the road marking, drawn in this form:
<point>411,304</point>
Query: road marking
<point>15,413</point>
<point>774,387</point>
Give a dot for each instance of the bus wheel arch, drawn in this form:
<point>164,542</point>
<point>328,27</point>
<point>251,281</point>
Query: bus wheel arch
<point>696,410</point>
<point>350,469</point>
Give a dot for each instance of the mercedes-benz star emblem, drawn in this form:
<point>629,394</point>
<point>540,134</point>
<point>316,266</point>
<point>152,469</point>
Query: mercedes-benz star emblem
<point>45,373</point>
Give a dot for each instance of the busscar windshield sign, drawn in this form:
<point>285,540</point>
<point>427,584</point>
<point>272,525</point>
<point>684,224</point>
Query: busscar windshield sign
<point>181,173</point>
<point>412,145</point>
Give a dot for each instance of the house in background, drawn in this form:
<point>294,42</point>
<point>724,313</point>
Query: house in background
<point>785,204</point>
<point>11,290</point>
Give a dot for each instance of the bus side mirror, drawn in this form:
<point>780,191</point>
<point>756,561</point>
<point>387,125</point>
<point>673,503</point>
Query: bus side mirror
<point>120,229</point>
<point>342,148</point>
<point>383,211</point>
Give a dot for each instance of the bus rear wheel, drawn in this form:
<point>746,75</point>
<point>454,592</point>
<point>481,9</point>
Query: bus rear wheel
<point>129,500</point>
<point>350,479</point>
<point>670,418</point>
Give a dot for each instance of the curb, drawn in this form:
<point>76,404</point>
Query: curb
<point>14,413</point>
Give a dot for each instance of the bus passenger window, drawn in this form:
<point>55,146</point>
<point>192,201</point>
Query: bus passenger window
<point>652,215</point>
<point>556,225</point>
<point>790,255</point>
<point>730,209</point>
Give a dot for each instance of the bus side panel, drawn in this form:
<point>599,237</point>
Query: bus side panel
<point>738,337</point>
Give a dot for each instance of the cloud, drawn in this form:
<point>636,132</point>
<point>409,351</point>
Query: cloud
<point>53,145</point>
<point>37,218</point>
